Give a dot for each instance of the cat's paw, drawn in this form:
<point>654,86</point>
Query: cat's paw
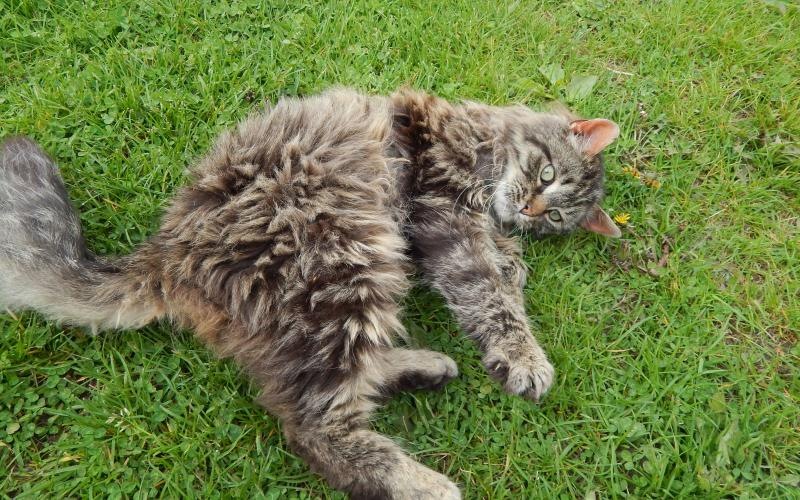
<point>528,373</point>
<point>432,370</point>
<point>441,370</point>
<point>418,482</point>
<point>431,485</point>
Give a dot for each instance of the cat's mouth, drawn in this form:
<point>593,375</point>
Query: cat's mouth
<point>524,214</point>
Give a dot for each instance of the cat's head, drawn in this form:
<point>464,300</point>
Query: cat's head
<point>552,173</point>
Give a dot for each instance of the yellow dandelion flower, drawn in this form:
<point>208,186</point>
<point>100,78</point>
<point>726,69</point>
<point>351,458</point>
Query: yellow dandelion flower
<point>622,218</point>
<point>653,183</point>
<point>632,171</point>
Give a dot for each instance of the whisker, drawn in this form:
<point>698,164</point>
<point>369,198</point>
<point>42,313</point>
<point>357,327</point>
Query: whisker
<point>489,203</point>
<point>455,202</point>
<point>488,184</point>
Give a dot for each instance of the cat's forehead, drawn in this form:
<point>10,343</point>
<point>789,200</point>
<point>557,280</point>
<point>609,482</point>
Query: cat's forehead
<point>537,135</point>
<point>550,136</point>
<point>545,124</point>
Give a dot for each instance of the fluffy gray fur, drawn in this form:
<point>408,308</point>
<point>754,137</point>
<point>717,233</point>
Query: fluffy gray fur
<point>289,251</point>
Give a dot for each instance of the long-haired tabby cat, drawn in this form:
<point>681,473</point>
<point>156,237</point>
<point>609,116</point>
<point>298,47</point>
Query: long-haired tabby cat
<point>290,251</point>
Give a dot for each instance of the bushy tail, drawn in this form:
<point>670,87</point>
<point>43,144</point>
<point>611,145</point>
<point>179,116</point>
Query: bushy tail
<point>44,263</point>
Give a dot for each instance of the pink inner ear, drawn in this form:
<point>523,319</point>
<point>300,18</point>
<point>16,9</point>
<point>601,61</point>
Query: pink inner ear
<point>599,222</point>
<point>598,133</point>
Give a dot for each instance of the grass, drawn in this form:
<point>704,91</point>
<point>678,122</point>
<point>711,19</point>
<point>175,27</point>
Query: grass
<point>676,347</point>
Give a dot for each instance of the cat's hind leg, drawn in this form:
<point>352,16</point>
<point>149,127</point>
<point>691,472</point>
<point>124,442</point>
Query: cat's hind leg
<point>412,369</point>
<point>329,358</point>
<point>325,408</point>
<point>339,446</point>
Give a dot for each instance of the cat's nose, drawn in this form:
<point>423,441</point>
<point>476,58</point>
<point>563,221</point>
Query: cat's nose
<point>534,207</point>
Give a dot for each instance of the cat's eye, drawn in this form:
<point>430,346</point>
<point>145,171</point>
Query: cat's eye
<point>554,215</point>
<point>547,174</point>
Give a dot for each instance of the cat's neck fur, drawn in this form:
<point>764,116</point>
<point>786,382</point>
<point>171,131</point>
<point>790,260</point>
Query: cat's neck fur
<point>448,149</point>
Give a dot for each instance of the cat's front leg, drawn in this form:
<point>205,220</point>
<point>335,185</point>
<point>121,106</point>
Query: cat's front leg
<point>519,364</point>
<point>509,255</point>
<point>461,259</point>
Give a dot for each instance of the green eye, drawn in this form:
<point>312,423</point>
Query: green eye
<point>548,174</point>
<point>554,215</point>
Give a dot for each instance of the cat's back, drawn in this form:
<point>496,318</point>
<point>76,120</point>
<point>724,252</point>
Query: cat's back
<point>323,132</point>
<point>301,178</point>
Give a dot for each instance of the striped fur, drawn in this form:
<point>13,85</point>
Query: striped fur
<point>290,248</point>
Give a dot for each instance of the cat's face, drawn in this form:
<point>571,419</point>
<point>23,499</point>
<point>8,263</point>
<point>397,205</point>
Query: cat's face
<point>552,179</point>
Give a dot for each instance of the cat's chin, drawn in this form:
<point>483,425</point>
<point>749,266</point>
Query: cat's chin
<point>512,221</point>
<point>517,222</point>
<point>507,217</point>
<point>530,227</point>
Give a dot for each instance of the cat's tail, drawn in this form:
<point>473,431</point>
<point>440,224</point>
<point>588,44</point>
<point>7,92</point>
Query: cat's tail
<point>44,263</point>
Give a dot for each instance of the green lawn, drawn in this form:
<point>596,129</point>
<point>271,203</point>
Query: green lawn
<point>676,347</point>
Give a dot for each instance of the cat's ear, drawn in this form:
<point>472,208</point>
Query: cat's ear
<point>599,222</point>
<point>594,135</point>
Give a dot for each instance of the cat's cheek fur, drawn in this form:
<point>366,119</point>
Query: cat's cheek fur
<point>503,206</point>
<point>501,203</point>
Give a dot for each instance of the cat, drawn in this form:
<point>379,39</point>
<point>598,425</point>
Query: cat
<point>290,251</point>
